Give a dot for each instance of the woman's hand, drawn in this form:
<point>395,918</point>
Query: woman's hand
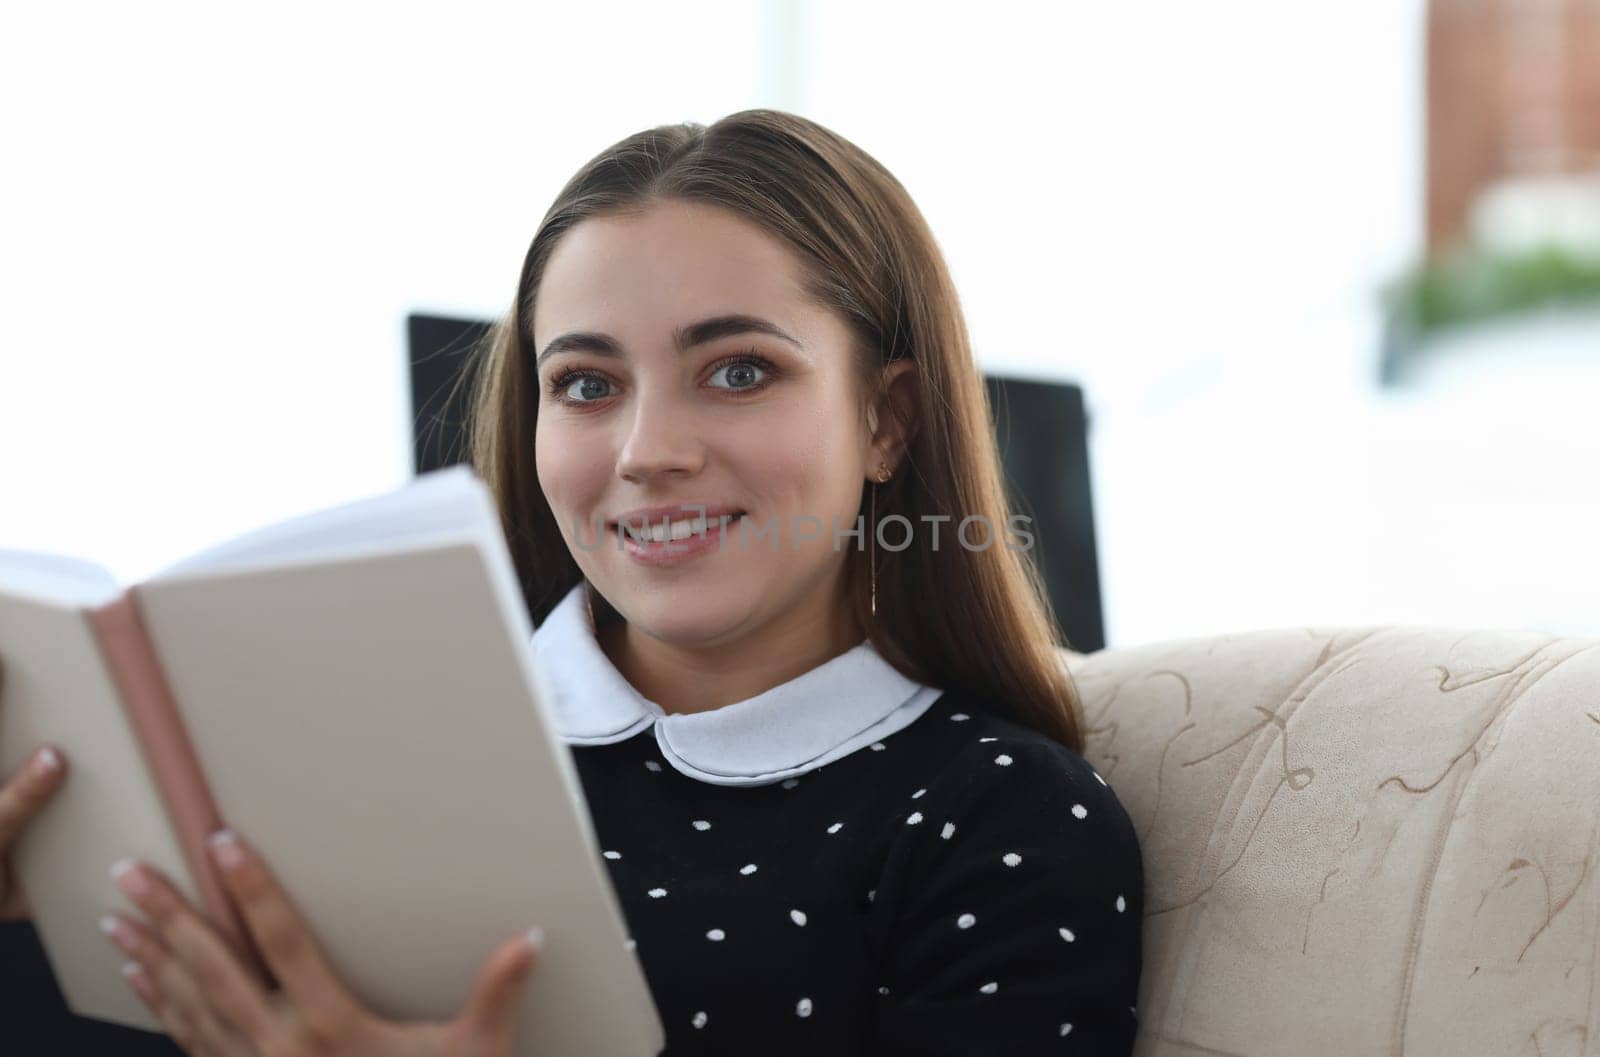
<point>20,799</point>
<point>213,1005</point>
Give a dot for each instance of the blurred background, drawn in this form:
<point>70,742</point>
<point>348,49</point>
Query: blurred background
<point>1328,275</point>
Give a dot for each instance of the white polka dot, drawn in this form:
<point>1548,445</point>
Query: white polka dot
<point>1102,781</point>
<point>960,717</point>
<point>653,765</point>
<point>1067,934</point>
<point>949,828</point>
<point>803,1007</point>
<point>1079,811</point>
<point>657,893</point>
<point>918,794</point>
<point>631,944</point>
<point>1011,858</point>
<point>716,935</point>
<point>966,921</point>
<point>699,1020</point>
<point>612,854</point>
<point>1065,1028</point>
<point>871,893</point>
<point>913,818</point>
<point>790,783</point>
<point>836,827</point>
<point>982,740</point>
<point>748,868</point>
<point>797,916</point>
<point>1122,904</point>
<point>877,746</point>
<point>1003,760</point>
<point>990,988</point>
<point>883,990</point>
<point>701,824</point>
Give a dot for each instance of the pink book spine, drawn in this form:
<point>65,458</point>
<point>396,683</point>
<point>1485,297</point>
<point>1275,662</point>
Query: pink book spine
<point>170,758</point>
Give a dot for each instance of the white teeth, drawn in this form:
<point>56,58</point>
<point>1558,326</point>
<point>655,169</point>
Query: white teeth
<point>657,532</point>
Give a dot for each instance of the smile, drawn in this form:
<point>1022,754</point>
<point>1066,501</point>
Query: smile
<point>663,532</point>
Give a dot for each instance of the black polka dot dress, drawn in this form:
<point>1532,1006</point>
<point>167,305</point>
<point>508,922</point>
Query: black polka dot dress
<point>936,880</point>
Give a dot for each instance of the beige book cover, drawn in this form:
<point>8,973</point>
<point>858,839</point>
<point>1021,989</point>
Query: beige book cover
<point>354,691</point>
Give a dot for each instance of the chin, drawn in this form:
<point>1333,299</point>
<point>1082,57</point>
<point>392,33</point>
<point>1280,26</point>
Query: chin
<point>687,611</point>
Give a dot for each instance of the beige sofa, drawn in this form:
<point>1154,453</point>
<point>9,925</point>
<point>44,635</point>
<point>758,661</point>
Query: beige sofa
<point>1360,840</point>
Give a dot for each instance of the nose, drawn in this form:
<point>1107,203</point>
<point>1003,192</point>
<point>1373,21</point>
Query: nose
<point>663,439</point>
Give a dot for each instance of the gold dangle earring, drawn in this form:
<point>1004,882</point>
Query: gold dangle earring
<point>872,527</point>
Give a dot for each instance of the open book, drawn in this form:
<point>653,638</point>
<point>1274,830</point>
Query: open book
<point>352,690</point>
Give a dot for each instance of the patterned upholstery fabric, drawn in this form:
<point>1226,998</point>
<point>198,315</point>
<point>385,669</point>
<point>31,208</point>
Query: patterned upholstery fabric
<point>1374,840</point>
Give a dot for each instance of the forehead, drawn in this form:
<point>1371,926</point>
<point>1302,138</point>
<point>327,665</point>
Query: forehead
<point>653,271</point>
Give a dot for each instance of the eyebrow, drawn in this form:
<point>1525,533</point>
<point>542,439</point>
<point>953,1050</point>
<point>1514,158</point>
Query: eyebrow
<point>683,338</point>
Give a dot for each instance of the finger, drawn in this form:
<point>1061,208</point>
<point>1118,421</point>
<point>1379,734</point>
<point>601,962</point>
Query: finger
<point>178,1019</point>
<point>27,791</point>
<point>165,979</point>
<point>180,936</point>
<point>14,904</point>
<point>139,980</point>
<point>280,934</point>
<point>160,982</point>
<point>491,1008</point>
<point>177,1026</point>
<point>20,799</point>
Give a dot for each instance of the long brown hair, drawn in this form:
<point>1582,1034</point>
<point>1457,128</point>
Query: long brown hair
<point>976,622</point>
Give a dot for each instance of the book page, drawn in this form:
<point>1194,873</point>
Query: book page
<point>57,578</point>
<point>445,500</point>
<point>56,689</point>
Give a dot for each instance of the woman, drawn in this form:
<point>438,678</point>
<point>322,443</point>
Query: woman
<point>836,777</point>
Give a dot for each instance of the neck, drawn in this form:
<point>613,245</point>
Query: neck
<point>684,679</point>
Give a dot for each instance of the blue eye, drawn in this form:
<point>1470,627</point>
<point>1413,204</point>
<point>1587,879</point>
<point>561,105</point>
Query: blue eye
<point>742,374</point>
<point>746,372</point>
<point>587,382</point>
<point>588,385</point>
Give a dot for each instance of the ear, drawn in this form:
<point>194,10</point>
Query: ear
<point>892,417</point>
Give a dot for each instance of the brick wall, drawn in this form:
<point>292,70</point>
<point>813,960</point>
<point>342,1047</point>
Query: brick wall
<point>1513,89</point>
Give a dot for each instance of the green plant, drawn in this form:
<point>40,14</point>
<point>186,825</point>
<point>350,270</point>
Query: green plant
<point>1475,284</point>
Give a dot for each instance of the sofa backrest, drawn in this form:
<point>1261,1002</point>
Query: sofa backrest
<point>1360,840</point>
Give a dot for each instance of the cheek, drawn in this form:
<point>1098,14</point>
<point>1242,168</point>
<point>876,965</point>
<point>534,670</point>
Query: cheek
<point>799,459</point>
<point>572,473</point>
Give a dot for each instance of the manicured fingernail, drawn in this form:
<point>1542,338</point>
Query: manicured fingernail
<point>224,845</point>
<point>112,926</point>
<point>129,878</point>
<point>135,975</point>
<point>536,938</point>
<point>46,763</point>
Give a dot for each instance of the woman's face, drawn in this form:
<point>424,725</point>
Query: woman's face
<point>641,406</point>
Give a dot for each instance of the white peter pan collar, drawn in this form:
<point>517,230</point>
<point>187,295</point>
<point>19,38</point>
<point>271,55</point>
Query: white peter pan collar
<point>841,705</point>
